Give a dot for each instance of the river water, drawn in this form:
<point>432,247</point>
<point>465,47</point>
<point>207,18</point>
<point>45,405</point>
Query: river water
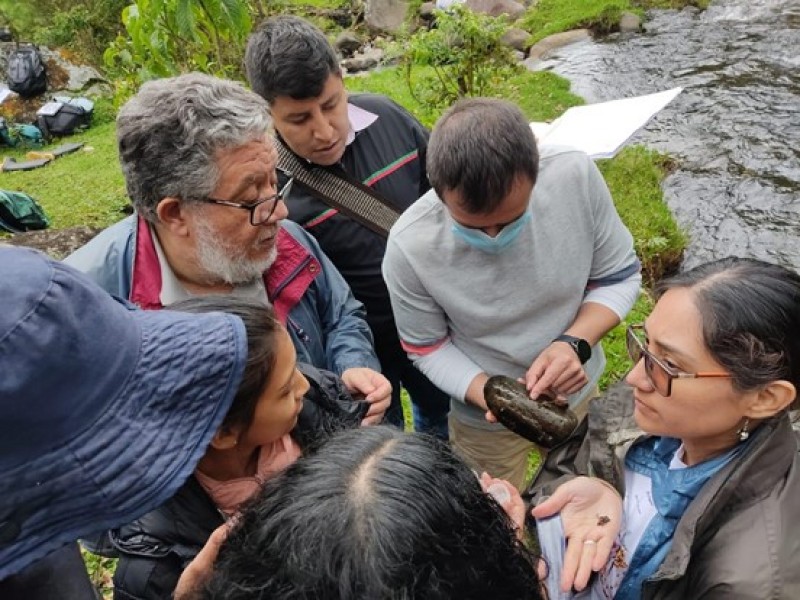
<point>735,130</point>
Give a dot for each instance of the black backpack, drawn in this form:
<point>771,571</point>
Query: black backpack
<point>26,73</point>
<point>69,119</point>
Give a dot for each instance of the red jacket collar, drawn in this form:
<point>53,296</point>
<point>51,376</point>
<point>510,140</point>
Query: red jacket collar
<point>286,281</point>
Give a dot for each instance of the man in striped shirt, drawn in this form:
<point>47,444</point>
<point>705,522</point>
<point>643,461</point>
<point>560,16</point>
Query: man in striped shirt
<point>373,140</point>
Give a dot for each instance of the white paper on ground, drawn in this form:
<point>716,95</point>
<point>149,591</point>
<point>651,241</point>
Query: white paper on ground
<point>50,109</point>
<point>4,92</point>
<point>602,129</point>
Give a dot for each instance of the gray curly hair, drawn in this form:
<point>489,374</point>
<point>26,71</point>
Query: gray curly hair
<point>169,132</point>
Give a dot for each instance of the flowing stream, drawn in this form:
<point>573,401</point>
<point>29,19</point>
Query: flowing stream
<point>735,130</point>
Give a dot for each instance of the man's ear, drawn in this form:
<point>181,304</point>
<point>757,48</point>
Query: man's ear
<point>173,216</point>
<point>771,400</point>
<point>225,438</point>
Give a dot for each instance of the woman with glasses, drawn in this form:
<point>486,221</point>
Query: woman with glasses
<point>700,443</point>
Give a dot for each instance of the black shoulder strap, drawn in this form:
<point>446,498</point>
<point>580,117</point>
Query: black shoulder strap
<point>340,191</point>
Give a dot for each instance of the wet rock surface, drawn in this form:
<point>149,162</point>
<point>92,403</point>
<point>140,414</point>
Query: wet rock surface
<point>734,129</point>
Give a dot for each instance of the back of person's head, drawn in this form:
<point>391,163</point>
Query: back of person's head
<point>750,312</point>
<point>288,56</point>
<point>262,331</point>
<point>377,514</point>
<point>170,132</point>
<point>479,148</point>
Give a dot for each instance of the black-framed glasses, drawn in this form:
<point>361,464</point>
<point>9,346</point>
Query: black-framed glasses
<point>659,374</point>
<point>262,210</point>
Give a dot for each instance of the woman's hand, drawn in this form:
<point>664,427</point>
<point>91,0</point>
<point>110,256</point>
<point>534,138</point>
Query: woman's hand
<point>507,497</point>
<point>591,513</point>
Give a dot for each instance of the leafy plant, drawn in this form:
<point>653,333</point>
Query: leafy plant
<point>465,56</point>
<point>83,27</point>
<point>167,37</point>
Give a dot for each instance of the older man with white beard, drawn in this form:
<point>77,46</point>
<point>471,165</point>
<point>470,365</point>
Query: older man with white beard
<point>199,164</point>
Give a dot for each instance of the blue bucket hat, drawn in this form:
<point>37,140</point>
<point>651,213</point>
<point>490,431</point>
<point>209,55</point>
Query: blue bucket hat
<point>105,410</point>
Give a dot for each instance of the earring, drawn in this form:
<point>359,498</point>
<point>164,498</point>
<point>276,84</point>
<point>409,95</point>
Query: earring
<point>742,431</point>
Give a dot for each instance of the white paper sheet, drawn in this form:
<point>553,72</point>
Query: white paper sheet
<point>50,109</point>
<point>602,129</point>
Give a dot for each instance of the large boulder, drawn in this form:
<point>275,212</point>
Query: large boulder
<point>368,58</point>
<point>386,15</point>
<point>63,77</point>
<point>63,73</point>
<point>630,23</point>
<point>516,38</point>
<point>496,8</point>
<point>544,46</point>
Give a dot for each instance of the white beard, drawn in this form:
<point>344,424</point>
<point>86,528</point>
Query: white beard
<point>228,264</point>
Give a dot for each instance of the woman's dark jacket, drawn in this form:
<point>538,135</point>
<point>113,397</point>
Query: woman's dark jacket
<point>740,536</point>
<point>154,550</point>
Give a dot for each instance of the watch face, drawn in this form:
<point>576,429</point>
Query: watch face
<point>584,350</point>
<point>580,346</point>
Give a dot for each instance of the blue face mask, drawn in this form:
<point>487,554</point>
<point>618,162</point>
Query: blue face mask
<point>492,245</point>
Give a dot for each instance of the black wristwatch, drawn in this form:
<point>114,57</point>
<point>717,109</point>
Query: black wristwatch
<point>581,346</point>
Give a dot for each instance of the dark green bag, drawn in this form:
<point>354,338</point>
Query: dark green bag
<point>19,212</point>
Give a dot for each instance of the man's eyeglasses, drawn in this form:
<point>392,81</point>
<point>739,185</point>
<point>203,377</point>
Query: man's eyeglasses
<point>659,374</point>
<point>262,210</point>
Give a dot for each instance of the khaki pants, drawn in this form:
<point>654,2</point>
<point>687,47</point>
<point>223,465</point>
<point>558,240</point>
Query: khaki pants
<point>502,454</point>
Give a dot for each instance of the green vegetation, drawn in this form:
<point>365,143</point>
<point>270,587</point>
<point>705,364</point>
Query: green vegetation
<point>554,16</point>
<point>464,53</point>
<point>601,16</point>
<point>634,177</point>
<point>542,96</point>
<point>85,28</point>
<point>167,37</point>
<point>101,572</point>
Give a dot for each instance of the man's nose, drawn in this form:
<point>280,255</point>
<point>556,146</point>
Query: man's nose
<point>280,213</point>
<point>323,129</point>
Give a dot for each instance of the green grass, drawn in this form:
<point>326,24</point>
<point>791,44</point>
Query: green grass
<point>542,96</point>
<point>554,16</point>
<point>83,188</point>
<point>634,178</point>
<point>602,16</point>
<point>101,572</point>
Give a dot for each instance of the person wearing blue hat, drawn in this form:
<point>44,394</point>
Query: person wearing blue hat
<point>105,410</point>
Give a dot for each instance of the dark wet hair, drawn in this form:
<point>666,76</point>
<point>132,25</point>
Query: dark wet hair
<point>262,330</point>
<point>751,317</point>
<point>378,514</point>
<point>478,149</point>
<point>288,56</point>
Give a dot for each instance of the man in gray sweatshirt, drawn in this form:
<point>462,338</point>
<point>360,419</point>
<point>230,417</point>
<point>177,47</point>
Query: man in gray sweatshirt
<point>514,264</point>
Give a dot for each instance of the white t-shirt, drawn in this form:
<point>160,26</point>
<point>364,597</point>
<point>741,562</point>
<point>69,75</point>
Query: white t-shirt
<point>638,509</point>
